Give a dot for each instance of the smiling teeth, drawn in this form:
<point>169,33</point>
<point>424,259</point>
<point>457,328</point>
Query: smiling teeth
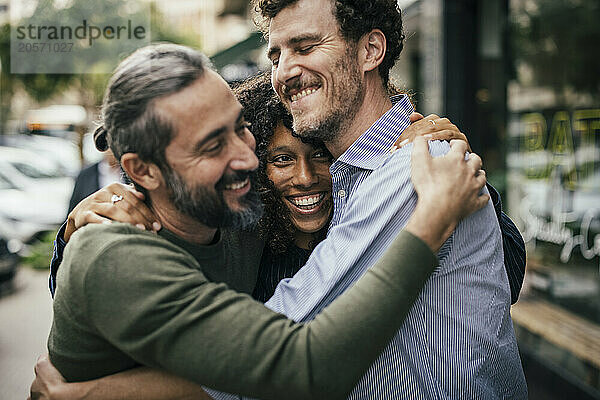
<point>308,201</point>
<point>302,94</point>
<point>236,186</point>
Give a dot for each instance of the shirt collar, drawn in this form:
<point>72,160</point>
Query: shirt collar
<point>372,148</point>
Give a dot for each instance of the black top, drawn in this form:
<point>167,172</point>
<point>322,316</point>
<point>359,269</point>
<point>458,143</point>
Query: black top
<point>274,268</point>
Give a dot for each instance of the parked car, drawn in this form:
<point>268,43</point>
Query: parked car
<point>34,194</point>
<point>63,151</point>
<point>29,171</point>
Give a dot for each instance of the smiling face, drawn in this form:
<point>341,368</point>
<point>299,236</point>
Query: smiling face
<point>211,156</point>
<point>315,71</point>
<point>300,173</point>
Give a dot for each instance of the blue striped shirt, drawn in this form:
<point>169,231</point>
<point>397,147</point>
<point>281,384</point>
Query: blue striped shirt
<point>458,339</point>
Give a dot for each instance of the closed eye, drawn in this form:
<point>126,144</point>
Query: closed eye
<point>306,49</point>
<point>213,147</point>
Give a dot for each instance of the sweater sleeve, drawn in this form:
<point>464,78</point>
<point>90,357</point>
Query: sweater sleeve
<point>153,304</point>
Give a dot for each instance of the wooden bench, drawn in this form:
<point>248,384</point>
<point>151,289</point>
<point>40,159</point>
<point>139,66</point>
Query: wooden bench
<point>562,329</point>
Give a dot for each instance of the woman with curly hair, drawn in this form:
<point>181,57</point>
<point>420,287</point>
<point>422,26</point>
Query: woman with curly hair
<point>295,186</point>
<point>294,183</point>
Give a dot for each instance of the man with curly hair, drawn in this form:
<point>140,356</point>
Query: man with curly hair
<point>331,61</point>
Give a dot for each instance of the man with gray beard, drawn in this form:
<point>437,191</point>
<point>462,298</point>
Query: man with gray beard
<point>127,298</point>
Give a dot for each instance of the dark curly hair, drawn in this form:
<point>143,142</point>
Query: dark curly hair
<point>264,110</point>
<point>355,18</point>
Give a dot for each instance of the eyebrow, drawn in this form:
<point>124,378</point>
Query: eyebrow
<point>294,41</point>
<point>280,148</point>
<point>217,132</point>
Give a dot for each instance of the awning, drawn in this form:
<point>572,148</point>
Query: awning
<point>239,53</point>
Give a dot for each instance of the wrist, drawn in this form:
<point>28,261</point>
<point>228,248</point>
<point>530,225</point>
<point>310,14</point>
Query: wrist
<point>73,390</point>
<point>432,224</point>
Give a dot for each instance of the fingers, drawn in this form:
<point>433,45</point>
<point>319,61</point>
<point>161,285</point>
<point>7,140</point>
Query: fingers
<point>127,191</point>
<point>121,211</point>
<point>133,203</point>
<point>481,179</point>
<point>458,147</point>
<point>474,162</point>
<point>430,126</point>
<point>99,208</point>
<point>482,201</point>
<point>139,195</point>
<point>432,117</point>
<point>450,134</point>
<point>477,199</point>
<point>35,389</point>
<point>440,124</point>
<point>139,213</point>
<point>89,217</point>
<point>436,124</point>
<point>106,192</point>
<point>420,151</point>
<point>40,361</point>
<point>415,116</point>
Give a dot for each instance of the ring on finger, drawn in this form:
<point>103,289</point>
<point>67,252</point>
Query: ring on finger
<point>432,122</point>
<point>116,198</point>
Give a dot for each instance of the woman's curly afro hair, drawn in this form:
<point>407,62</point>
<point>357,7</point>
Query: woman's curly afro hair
<point>263,110</point>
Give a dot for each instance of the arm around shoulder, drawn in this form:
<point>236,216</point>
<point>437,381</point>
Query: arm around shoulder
<point>157,313</point>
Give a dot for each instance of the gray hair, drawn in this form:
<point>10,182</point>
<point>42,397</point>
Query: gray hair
<point>131,124</point>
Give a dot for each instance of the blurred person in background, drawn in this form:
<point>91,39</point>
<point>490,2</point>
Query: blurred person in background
<point>94,177</point>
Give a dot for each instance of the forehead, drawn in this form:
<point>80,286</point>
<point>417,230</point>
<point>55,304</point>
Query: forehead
<point>205,105</point>
<point>305,17</point>
<point>282,137</point>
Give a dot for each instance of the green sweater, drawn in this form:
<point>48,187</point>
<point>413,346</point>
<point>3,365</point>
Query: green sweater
<point>127,297</point>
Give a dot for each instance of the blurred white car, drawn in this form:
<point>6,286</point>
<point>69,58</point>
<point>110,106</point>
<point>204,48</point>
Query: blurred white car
<point>34,193</point>
<point>64,152</point>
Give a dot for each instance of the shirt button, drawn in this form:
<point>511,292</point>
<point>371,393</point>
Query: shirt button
<point>342,193</point>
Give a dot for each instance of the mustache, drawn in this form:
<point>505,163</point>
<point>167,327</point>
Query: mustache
<point>235,177</point>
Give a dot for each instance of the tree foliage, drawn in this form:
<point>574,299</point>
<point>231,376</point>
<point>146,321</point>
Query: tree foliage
<point>90,86</point>
<point>558,40</point>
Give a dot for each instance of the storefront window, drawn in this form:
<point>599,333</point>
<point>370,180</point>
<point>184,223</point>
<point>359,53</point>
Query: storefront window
<point>553,162</point>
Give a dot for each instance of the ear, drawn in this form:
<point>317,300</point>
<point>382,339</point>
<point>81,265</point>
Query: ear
<point>372,46</point>
<point>145,174</point>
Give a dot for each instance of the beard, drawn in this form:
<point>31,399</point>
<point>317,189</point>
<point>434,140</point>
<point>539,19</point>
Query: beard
<point>346,98</point>
<point>208,206</point>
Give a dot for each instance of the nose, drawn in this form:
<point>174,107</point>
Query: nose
<point>287,69</point>
<point>242,150</point>
<point>304,174</point>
